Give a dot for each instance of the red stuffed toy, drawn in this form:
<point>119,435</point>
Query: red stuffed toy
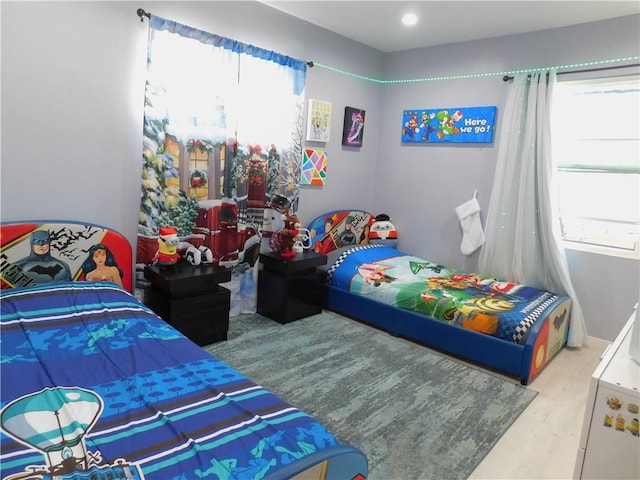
<point>287,235</point>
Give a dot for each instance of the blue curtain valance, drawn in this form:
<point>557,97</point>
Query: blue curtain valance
<point>160,23</point>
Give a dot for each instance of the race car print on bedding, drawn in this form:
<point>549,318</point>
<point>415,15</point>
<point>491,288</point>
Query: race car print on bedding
<point>477,302</point>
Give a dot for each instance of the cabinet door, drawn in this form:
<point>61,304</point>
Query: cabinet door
<point>613,442</point>
<point>285,299</point>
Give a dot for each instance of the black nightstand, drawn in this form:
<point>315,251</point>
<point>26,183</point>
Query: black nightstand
<point>191,299</point>
<point>290,289</point>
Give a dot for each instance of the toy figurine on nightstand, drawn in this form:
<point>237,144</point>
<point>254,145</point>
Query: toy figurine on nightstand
<point>287,235</point>
<point>168,240</point>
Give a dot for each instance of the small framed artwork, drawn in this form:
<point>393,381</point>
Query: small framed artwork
<point>353,127</point>
<point>318,121</point>
<point>314,167</point>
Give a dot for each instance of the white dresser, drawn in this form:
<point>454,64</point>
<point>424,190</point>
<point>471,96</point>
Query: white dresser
<point>610,441</point>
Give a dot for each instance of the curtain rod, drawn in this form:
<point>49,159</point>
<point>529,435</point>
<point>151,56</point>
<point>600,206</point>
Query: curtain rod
<point>506,78</point>
<point>141,13</point>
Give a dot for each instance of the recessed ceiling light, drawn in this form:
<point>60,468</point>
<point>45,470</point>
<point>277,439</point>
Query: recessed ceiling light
<point>409,19</point>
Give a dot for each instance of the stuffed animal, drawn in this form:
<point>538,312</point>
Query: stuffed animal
<point>383,231</point>
<point>167,254</point>
<point>171,250</point>
<point>195,255</point>
<point>286,236</point>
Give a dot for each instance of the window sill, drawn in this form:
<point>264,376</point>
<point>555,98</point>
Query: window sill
<point>601,250</point>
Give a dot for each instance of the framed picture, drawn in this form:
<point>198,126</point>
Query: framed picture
<point>353,127</point>
<point>314,167</point>
<point>453,125</point>
<point>318,121</point>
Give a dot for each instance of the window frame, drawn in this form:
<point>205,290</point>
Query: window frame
<point>587,77</point>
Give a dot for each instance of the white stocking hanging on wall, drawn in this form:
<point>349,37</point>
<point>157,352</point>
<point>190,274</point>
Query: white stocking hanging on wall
<point>469,215</point>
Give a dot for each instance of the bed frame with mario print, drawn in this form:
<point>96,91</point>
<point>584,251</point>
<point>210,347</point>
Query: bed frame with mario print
<point>545,339</point>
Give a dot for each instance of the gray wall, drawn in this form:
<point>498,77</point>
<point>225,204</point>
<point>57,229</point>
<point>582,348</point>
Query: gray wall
<point>72,105</point>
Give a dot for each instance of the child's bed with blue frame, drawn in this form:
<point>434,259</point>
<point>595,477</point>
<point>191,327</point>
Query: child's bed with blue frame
<point>95,385</point>
<point>510,328</point>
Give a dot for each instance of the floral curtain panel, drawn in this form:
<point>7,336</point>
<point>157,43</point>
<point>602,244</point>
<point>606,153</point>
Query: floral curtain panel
<point>223,129</point>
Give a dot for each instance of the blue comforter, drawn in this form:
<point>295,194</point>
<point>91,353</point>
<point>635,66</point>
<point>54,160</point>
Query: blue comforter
<point>95,385</point>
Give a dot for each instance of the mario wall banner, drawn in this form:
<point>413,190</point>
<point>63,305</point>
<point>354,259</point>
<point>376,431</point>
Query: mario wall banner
<point>456,125</point>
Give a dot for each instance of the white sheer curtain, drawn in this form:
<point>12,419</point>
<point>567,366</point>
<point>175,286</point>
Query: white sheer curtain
<point>522,230</point>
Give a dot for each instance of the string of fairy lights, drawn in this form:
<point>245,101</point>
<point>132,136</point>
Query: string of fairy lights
<point>592,64</point>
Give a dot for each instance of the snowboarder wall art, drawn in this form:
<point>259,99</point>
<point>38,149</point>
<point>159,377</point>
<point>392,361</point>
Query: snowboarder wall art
<point>353,128</point>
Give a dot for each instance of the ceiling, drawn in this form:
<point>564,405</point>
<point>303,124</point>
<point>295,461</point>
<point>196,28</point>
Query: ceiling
<point>377,23</point>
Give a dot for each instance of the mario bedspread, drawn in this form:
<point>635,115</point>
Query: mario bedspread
<point>503,309</point>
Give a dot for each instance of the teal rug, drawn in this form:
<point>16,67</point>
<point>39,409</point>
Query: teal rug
<point>415,414</point>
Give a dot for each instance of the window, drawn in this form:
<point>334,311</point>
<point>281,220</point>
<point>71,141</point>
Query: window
<point>596,130</point>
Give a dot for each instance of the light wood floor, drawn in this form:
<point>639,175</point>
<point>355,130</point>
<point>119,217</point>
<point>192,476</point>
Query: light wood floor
<point>549,429</point>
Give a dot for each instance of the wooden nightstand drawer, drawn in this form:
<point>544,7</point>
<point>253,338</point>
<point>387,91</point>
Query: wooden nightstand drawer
<point>202,318</point>
<point>290,289</point>
<point>190,299</point>
<point>184,280</point>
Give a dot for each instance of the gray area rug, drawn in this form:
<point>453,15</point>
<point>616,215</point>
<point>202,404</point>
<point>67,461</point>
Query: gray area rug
<point>415,414</point>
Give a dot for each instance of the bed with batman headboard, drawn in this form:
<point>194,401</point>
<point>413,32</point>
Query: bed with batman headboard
<point>94,385</point>
<point>507,327</point>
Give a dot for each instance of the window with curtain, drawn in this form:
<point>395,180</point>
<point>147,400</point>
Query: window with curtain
<point>223,121</point>
<point>596,129</point>
<point>223,129</point>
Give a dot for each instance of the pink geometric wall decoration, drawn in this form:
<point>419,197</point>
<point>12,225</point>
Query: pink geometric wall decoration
<point>314,167</point>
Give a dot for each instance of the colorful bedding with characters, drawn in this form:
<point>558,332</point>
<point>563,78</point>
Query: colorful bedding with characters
<point>501,325</point>
<point>473,301</point>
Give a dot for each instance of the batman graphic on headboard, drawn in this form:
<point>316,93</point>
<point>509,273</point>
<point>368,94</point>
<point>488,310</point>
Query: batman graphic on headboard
<point>40,266</point>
